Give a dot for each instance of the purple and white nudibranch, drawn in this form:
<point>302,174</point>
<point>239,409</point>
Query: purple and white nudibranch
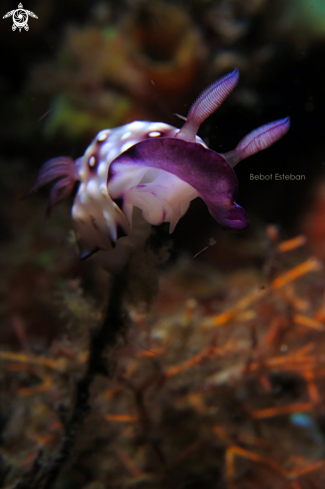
<point>157,168</point>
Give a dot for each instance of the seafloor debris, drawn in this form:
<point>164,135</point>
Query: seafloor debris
<point>220,385</point>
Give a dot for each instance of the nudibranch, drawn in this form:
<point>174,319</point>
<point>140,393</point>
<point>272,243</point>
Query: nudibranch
<point>157,168</point>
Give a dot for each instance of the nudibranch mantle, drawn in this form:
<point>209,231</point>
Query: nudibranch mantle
<point>157,168</point>
<point>96,212</point>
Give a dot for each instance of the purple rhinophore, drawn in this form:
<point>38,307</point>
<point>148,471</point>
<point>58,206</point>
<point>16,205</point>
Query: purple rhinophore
<point>209,101</point>
<point>257,140</point>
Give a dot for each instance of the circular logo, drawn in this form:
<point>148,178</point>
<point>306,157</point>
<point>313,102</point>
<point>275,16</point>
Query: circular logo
<point>20,19</point>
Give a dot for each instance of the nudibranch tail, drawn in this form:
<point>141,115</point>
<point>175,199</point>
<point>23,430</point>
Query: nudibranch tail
<point>209,101</point>
<point>63,169</point>
<point>257,140</point>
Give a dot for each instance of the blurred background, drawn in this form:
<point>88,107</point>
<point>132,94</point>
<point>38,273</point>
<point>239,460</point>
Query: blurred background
<point>81,69</point>
<point>89,65</point>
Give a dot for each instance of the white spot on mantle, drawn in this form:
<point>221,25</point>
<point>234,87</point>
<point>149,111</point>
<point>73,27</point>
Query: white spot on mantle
<point>103,135</point>
<point>126,135</point>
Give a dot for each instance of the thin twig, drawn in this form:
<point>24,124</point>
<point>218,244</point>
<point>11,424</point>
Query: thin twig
<point>42,475</point>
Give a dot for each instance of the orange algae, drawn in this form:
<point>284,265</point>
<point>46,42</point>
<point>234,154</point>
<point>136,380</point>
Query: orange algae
<point>201,396</point>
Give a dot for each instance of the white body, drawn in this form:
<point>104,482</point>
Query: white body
<point>163,198</point>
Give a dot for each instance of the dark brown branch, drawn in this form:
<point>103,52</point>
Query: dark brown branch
<point>43,474</point>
